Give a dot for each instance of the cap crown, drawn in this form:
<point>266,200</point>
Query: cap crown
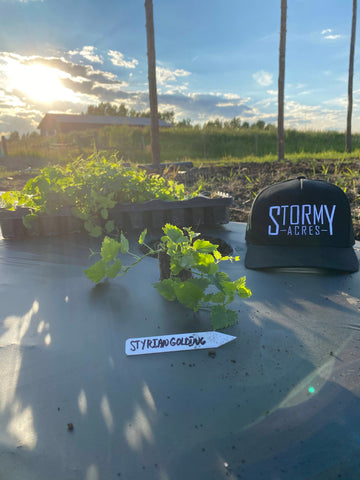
<point>301,212</point>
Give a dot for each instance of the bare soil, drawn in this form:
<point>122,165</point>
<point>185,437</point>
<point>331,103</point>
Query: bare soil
<point>244,181</point>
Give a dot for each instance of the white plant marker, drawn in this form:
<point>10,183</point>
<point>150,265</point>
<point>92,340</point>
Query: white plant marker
<point>175,343</point>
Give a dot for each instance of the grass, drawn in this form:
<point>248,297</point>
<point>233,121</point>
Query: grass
<point>179,143</point>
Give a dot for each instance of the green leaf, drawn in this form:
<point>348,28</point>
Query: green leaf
<point>104,213</point>
<point>222,276</point>
<point>202,282</point>
<point>189,294</point>
<point>174,233</point>
<point>166,289</point>
<point>204,246</point>
<point>97,271</point>
<point>222,317</point>
<point>109,226</point>
<point>142,236</point>
<point>241,288</point>
<point>206,263</point>
<point>96,231</point>
<point>79,213</point>
<point>217,255</point>
<point>90,225</point>
<point>218,297</point>
<point>229,289</point>
<point>124,244</point>
<point>186,261</point>
<point>109,249</point>
<point>114,268</point>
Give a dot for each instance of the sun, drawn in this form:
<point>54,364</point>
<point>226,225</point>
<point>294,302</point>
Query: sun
<point>40,83</point>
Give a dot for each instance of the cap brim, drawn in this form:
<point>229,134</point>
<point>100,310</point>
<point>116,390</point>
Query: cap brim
<point>274,256</point>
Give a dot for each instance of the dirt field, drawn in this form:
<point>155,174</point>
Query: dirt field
<point>244,181</point>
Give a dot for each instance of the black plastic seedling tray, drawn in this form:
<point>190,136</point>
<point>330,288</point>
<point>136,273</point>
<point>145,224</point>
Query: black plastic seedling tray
<point>154,214</point>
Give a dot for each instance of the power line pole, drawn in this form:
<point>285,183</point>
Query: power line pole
<point>154,119</point>
<point>351,78</point>
<point>281,83</point>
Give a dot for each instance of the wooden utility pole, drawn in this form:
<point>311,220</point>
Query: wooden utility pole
<point>4,146</point>
<point>351,78</point>
<point>281,82</point>
<point>154,119</point>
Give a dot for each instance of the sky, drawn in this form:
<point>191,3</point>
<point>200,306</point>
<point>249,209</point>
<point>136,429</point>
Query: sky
<point>214,59</point>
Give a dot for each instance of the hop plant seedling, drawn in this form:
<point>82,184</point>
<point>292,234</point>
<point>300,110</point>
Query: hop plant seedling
<point>206,286</point>
<point>90,188</point>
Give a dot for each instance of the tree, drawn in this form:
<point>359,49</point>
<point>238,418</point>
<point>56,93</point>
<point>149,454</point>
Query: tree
<point>351,77</point>
<point>185,122</point>
<point>260,124</point>
<point>14,136</point>
<point>168,116</point>
<point>217,124</point>
<point>105,108</point>
<point>281,82</point>
<point>154,122</point>
<point>234,123</point>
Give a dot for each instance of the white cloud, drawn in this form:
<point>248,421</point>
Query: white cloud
<point>328,35</point>
<point>87,52</point>
<point>337,102</point>
<point>264,79</point>
<point>225,104</point>
<point>332,37</point>
<point>164,75</point>
<point>117,59</point>
<point>231,96</point>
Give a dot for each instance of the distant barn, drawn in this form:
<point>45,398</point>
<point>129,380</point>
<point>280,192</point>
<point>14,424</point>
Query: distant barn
<point>54,123</point>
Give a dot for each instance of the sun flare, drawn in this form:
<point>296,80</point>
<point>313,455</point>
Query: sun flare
<point>40,83</point>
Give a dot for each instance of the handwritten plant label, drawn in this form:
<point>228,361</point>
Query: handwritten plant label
<point>175,343</point>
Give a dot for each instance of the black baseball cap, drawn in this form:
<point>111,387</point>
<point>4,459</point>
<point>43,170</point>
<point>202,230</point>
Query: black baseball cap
<point>301,223</point>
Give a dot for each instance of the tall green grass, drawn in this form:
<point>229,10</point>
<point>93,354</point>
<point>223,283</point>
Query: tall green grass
<point>179,143</point>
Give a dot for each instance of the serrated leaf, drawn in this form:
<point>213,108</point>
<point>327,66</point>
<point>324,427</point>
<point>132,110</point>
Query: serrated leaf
<point>89,225</point>
<point>204,259</point>
<point>228,287</point>
<point>109,226</point>
<point>109,249</point>
<point>186,261</point>
<point>78,213</point>
<point>104,213</point>
<point>189,294</point>
<point>222,317</point>
<point>142,236</point>
<point>202,282</point>
<point>218,297</point>
<point>114,268</point>
<point>174,233</point>
<point>166,289</point>
<point>205,263</point>
<point>97,271</point>
<point>217,255</point>
<point>241,288</point>
<point>124,244</point>
<point>96,231</point>
<point>204,246</point>
<point>222,276</point>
